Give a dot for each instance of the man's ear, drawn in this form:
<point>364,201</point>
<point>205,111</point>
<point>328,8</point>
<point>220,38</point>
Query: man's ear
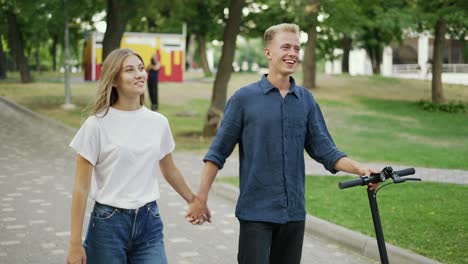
<point>266,51</point>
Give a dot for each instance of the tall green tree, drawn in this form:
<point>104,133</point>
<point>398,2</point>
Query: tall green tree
<point>442,18</point>
<point>3,61</point>
<point>118,13</point>
<point>341,25</point>
<point>218,99</point>
<point>383,23</point>
<point>16,43</point>
<point>309,69</point>
<point>204,20</point>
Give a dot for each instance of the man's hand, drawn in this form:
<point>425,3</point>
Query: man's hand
<point>198,212</point>
<point>76,254</point>
<point>367,172</point>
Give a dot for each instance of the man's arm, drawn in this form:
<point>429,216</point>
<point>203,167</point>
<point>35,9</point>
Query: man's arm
<point>210,170</point>
<point>351,166</point>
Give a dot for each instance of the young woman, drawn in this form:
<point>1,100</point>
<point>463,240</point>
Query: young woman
<point>119,149</point>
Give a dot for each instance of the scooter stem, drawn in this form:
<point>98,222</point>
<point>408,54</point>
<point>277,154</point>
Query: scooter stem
<point>372,195</point>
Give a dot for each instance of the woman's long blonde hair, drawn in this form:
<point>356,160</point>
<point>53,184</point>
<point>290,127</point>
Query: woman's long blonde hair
<point>107,94</point>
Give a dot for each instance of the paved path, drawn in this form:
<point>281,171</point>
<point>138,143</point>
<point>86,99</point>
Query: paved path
<point>36,179</point>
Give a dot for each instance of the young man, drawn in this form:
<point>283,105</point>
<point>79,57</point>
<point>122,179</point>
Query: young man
<point>273,121</point>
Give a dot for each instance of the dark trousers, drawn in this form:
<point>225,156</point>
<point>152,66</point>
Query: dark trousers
<point>270,243</point>
<point>153,89</point>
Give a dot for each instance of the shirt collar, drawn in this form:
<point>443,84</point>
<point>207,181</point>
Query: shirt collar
<point>267,86</point>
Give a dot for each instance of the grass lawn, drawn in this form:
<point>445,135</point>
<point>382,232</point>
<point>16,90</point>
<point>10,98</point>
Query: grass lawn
<point>427,218</point>
<point>372,119</point>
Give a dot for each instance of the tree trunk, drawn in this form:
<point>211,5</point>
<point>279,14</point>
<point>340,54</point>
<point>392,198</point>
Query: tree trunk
<point>118,13</point>
<point>308,67</point>
<point>437,60</point>
<point>37,59</point>
<point>375,55</point>
<point>218,98</point>
<point>346,45</point>
<point>16,45</point>
<point>53,51</point>
<point>3,61</point>
<point>202,52</point>
<point>190,51</point>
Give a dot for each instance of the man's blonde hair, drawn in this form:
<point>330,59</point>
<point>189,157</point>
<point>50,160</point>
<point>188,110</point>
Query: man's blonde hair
<point>110,72</point>
<point>284,27</point>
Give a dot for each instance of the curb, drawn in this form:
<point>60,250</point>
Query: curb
<point>352,240</point>
<point>37,116</point>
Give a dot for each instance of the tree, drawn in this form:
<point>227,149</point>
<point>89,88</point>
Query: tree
<point>442,17</point>
<point>336,29</point>
<point>203,20</point>
<point>218,99</point>
<point>383,23</point>
<point>15,40</point>
<point>311,23</point>
<point>118,14</point>
<point>3,61</point>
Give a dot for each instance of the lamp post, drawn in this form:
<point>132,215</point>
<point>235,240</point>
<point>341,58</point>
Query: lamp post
<point>68,105</point>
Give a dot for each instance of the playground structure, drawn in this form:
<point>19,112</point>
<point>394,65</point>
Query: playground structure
<point>170,49</point>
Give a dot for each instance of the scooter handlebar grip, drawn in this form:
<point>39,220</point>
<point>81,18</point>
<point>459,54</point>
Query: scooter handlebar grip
<point>406,172</point>
<point>351,183</point>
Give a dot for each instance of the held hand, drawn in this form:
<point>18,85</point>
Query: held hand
<point>198,212</point>
<point>367,172</point>
<point>76,255</point>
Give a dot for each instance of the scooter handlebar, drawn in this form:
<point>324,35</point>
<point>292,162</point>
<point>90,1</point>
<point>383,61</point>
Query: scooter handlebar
<point>351,183</point>
<point>405,172</point>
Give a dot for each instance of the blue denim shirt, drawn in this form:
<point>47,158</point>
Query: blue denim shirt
<point>272,134</point>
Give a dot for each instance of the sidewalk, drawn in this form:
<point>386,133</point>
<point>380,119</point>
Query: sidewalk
<point>36,178</point>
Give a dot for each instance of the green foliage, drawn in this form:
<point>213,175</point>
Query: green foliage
<point>251,51</point>
<point>455,107</point>
<point>454,12</point>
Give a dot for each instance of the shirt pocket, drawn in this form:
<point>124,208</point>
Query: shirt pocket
<point>299,130</point>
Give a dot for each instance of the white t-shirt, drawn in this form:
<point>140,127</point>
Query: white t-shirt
<point>125,148</point>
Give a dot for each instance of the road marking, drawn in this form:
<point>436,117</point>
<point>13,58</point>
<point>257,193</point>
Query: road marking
<point>180,240</point>
<point>189,254</point>
<point>15,227</point>
<point>9,243</point>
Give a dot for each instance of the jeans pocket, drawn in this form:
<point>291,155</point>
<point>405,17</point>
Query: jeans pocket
<point>155,211</point>
<point>103,212</point>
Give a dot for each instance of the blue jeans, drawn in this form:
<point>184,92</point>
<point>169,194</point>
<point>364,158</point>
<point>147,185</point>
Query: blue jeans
<point>125,235</point>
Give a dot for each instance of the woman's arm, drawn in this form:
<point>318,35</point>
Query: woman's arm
<point>84,169</point>
<point>173,176</point>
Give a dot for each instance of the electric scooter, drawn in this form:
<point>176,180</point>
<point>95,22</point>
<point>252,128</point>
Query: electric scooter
<point>387,172</point>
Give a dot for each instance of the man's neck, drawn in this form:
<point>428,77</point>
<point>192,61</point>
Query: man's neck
<point>279,81</point>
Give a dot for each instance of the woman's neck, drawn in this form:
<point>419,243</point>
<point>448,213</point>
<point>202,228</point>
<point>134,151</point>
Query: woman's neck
<point>127,105</point>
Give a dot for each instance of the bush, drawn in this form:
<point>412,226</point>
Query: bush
<point>454,107</point>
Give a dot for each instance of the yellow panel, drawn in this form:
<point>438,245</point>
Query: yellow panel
<point>144,50</point>
<point>166,62</point>
<point>98,56</point>
<point>177,57</point>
